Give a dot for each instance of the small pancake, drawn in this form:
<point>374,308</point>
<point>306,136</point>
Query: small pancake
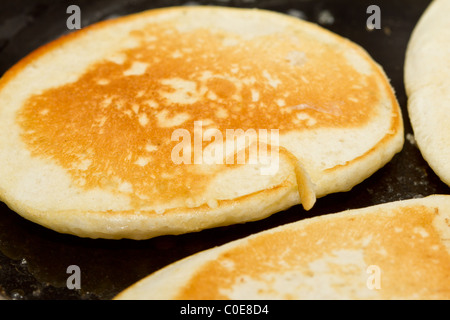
<point>96,123</point>
<point>427,83</point>
<point>398,250</point>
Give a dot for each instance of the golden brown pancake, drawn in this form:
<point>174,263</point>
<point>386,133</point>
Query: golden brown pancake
<point>398,250</point>
<point>94,122</point>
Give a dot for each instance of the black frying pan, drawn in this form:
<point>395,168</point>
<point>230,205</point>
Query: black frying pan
<point>34,260</point>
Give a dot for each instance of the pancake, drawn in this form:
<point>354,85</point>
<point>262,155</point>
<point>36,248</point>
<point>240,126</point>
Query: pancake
<point>427,83</point>
<point>120,130</point>
<point>397,250</point>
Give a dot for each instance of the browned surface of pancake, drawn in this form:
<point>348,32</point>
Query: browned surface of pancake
<point>403,244</point>
<point>397,250</point>
<point>114,123</point>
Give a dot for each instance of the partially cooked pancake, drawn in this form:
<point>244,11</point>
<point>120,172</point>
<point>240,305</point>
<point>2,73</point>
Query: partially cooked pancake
<point>93,122</point>
<point>427,83</point>
<point>397,250</point>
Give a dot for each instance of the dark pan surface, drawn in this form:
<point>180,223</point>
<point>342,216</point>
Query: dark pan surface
<point>34,260</point>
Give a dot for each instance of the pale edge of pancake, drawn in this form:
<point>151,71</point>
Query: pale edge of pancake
<point>427,83</point>
<point>166,283</point>
<point>98,214</point>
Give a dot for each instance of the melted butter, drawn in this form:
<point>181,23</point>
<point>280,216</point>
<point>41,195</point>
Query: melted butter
<point>404,245</point>
<point>112,127</point>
